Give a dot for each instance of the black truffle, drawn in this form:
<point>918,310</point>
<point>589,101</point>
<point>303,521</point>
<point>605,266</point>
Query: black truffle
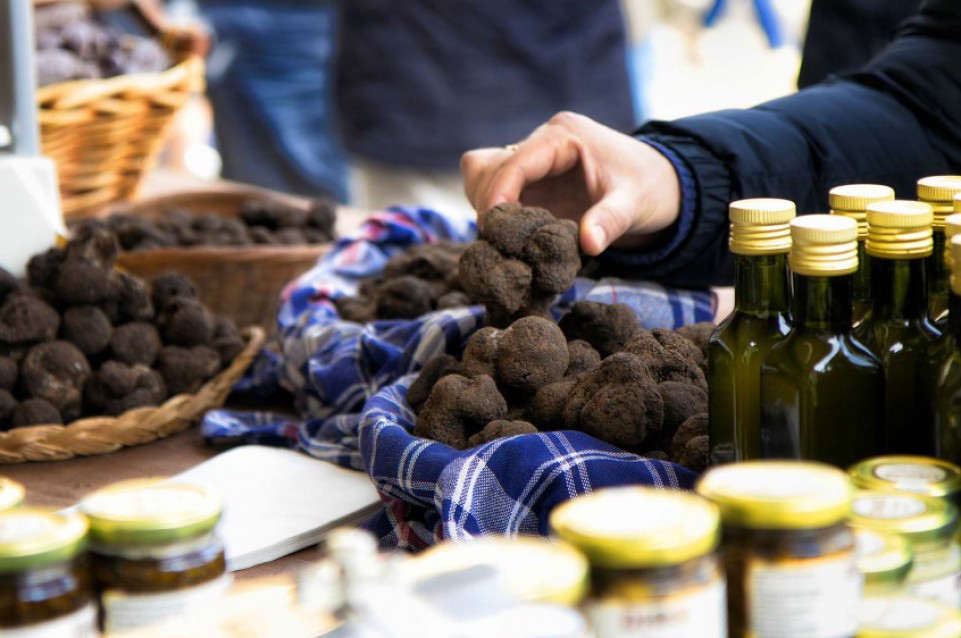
<point>169,286</point>
<point>533,353</point>
<point>56,372</point>
<point>136,342</point>
<point>436,367</point>
<point>8,284</point>
<point>499,429</point>
<point>583,358</point>
<point>186,370</point>
<point>696,425</point>
<point>88,328</point>
<point>35,412</point>
<point>405,297</point>
<point>26,319</point>
<point>9,371</point>
<point>458,408</point>
<point>607,327</point>
<point>185,322</point>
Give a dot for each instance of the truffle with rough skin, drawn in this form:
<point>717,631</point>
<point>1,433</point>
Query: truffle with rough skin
<point>35,412</point>
<point>56,372</point>
<point>185,322</point>
<point>136,342</point>
<point>582,357</point>
<point>127,387</point>
<point>290,237</point>
<point>227,340</point>
<point>453,299</point>
<point>607,327</point>
<point>9,371</point>
<point>356,309</point>
<point>507,227</point>
<point>458,408</point>
<point>170,286</point>
<point>26,319</point>
<point>618,402</point>
<point>130,300</point>
<point>500,283</point>
<point>696,425</point>
<point>94,243</point>
<point>405,297</point>
<point>532,353</point>
<point>322,215</point>
<point>696,454</point>
<point>547,408</point>
<point>670,356</point>
<point>553,255</point>
<point>185,370</point>
<point>480,354</point>
<point>7,404</point>
<point>88,328</point>
<point>431,262</point>
<point>42,268</point>
<point>681,402</point>
<point>499,429</point>
<point>80,282</point>
<point>700,335</point>
<point>436,368</point>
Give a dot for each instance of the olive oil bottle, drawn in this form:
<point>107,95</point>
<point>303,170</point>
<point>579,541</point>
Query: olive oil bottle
<point>898,330</point>
<point>939,191</point>
<point>852,201</point>
<point>822,391</point>
<point>947,406</point>
<point>760,240</point>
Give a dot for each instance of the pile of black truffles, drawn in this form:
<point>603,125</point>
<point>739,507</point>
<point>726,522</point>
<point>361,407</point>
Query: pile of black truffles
<point>82,339</point>
<point>644,391</point>
<point>419,280</point>
<point>260,223</point>
<point>72,45</point>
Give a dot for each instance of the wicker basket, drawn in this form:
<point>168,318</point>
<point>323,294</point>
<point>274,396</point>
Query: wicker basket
<point>104,134</point>
<point>242,282</point>
<point>100,435</point>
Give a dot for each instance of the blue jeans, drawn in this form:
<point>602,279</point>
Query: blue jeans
<point>270,82</point>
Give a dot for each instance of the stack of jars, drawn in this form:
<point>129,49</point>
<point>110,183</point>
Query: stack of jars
<point>841,345</point>
<point>776,549</point>
<point>135,554</point>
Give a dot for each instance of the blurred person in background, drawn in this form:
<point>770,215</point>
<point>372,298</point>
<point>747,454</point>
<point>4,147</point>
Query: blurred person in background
<point>270,82</point>
<point>422,81</point>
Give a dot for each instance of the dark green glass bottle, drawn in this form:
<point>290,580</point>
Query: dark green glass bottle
<point>939,191</point>
<point>760,241</point>
<point>898,330</point>
<point>822,391</point>
<point>852,200</point>
<point>947,405</point>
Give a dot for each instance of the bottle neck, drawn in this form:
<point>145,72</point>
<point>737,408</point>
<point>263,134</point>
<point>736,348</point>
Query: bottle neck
<point>823,303</point>
<point>761,284</point>
<point>898,289</point>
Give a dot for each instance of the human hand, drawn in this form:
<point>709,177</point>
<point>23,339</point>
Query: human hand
<point>617,187</point>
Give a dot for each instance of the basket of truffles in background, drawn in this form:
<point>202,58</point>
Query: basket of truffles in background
<point>93,359</point>
<point>106,98</point>
<point>240,246</point>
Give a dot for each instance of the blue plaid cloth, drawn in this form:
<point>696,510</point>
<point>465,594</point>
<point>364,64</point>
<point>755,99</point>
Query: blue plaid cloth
<point>351,380</point>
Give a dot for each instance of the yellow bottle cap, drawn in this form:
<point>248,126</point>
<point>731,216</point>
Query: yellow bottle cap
<point>150,511</point>
<point>957,203</point>
<point>761,226</point>
<point>778,494</point>
<point>899,229</point>
<point>824,245</point>
<point>952,227</point>
<point>32,538</point>
<point>903,616</point>
<point>883,559</point>
<point>918,474</point>
<point>11,494</point>
<point>923,520</point>
<point>637,527</point>
<point>939,191</point>
<point>851,200</point>
<point>530,569</point>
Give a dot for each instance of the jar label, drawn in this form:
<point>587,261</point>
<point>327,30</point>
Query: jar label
<point>910,475</point>
<point>816,598</point>
<point>80,624</point>
<point>890,506</point>
<point>944,589</point>
<point>702,613</point>
<point>124,611</point>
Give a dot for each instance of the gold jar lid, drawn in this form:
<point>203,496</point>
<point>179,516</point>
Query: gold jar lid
<point>952,227</point>
<point>530,569</point>
<point>150,512</point>
<point>776,495</point>
<point>903,616</point>
<point>638,527</point>
<point>32,538</point>
<point>899,229</point>
<point>824,245</point>
<point>851,200</point>
<point>11,494</point>
<point>939,191</point>
<point>923,520</point>
<point>919,474</point>
<point>883,559</point>
<point>761,226</point>
<point>957,203</point>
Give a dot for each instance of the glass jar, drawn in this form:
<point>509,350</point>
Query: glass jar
<point>919,474</point>
<point>929,523</point>
<point>788,553</point>
<point>884,560</point>
<point>653,563</point>
<point>907,617</point>
<point>154,552</point>
<point>45,588</point>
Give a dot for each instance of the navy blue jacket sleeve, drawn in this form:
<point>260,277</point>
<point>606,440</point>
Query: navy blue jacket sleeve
<point>896,120</point>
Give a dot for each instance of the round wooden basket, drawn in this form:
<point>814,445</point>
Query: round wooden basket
<point>100,435</point>
<point>241,282</point>
<point>104,134</point>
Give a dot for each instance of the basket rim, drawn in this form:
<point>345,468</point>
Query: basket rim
<point>91,436</point>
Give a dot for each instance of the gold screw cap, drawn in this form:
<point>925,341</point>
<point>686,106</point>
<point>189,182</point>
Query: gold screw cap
<point>761,226</point>
<point>899,229</point>
<point>824,245</point>
<point>939,188</point>
<point>854,198</point>
<point>907,473</point>
<point>952,227</point>
<point>923,520</point>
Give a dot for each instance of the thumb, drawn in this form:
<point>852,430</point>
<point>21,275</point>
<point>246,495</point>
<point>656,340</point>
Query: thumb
<point>607,221</point>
